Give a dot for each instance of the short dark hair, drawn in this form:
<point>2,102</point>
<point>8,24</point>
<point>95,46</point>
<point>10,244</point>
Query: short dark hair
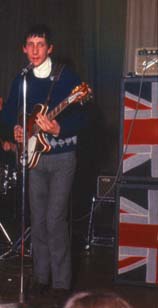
<point>40,30</point>
<point>96,299</point>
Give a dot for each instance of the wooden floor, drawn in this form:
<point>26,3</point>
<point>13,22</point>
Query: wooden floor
<point>92,269</point>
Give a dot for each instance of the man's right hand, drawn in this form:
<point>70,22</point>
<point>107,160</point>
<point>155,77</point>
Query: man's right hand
<point>8,146</point>
<point>1,103</point>
<point>18,133</point>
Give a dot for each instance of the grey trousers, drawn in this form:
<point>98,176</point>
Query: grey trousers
<point>50,184</point>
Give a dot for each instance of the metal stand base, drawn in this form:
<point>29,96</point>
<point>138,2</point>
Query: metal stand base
<point>92,239</point>
<point>14,248</point>
<point>6,234</point>
<point>15,305</point>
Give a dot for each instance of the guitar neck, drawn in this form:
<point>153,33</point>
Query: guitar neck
<point>77,95</point>
<point>58,109</point>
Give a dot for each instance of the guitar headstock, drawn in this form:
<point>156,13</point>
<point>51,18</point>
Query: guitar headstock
<point>81,93</point>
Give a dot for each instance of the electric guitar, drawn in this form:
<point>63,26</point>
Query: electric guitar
<point>37,142</point>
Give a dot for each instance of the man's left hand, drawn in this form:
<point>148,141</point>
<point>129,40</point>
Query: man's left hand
<point>51,127</point>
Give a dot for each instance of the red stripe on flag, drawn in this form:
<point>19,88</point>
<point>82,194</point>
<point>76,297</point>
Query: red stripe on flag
<point>123,211</point>
<point>144,131</point>
<point>138,235</point>
<point>126,156</point>
<point>135,105</point>
<point>157,268</point>
<point>128,261</point>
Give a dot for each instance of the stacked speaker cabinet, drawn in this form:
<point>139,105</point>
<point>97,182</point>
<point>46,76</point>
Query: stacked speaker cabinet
<point>137,191</point>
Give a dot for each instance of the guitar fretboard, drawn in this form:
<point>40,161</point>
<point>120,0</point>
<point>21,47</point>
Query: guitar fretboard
<point>58,109</point>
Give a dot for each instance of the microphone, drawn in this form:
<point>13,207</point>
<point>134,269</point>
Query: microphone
<point>26,69</point>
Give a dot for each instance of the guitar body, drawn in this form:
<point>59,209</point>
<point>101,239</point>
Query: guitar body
<point>37,142</point>
<point>36,145</point>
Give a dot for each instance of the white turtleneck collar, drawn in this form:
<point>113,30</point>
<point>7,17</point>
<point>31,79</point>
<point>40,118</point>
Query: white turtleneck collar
<point>43,70</point>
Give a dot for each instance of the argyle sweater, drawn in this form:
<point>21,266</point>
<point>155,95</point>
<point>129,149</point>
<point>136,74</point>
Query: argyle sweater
<point>72,120</point>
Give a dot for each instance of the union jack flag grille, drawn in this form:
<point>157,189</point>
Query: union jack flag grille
<point>138,234</point>
<point>138,201</point>
<point>141,117</point>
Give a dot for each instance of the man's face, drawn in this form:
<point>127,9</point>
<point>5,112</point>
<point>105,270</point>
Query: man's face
<point>37,50</point>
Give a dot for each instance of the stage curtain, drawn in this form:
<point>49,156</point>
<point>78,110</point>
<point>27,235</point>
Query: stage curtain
<point>90,36</point>
<point>141,29</point>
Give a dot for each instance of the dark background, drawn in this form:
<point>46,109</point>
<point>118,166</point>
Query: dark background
<point>90,36</point>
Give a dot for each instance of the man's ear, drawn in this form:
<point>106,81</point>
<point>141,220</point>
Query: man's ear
<point>24,49</point>
<point>50,49</point>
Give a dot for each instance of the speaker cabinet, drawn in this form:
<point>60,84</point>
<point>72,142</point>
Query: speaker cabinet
<point>139,129</point>
<point>137,234</point>
<point>101,223</point>
<point>106,187</point>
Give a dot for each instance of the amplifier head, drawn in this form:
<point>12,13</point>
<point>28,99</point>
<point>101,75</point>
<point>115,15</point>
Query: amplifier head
<point>106,187</point>
<point>146,61</point>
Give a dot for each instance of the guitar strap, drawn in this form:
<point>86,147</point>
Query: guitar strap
<point>55,74</point>
<point>57,69</point>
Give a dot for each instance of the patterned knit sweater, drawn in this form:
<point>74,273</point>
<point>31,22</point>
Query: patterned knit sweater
<point>72,119</point>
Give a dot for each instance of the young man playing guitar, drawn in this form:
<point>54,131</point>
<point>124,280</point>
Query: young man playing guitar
<point>51,171</point>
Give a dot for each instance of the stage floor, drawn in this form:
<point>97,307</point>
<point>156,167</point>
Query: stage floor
<point>92,269</point>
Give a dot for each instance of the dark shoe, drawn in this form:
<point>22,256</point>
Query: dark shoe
<point>38,289</point>
<point>60,296</point>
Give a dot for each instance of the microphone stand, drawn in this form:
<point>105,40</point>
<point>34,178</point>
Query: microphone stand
<point>24,167</point>
<point>21,303</point>
<point>24,162</point>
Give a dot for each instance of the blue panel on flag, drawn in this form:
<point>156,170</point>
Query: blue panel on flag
<point>139,129</point>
